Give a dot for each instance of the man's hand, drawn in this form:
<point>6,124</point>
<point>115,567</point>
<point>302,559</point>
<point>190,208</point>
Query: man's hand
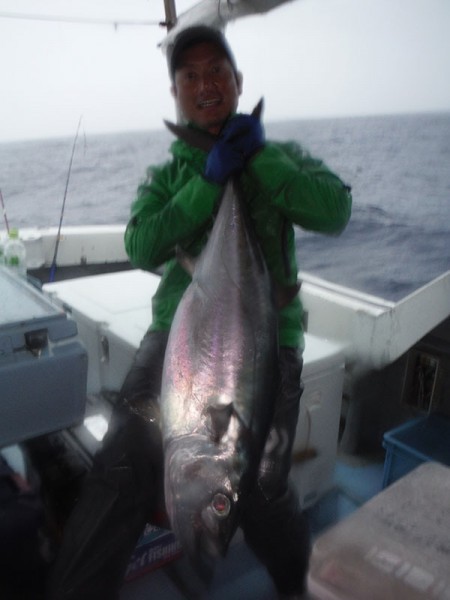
<point>239,140</point>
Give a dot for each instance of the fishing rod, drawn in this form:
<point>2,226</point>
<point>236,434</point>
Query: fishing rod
<point>58,235</point>
<point>5,218</point>
<point>170,21</point>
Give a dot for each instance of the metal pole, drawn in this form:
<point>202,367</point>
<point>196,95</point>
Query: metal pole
<point>171,14</point>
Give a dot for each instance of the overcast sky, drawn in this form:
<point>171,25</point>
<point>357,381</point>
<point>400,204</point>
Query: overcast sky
<point>308,58</point>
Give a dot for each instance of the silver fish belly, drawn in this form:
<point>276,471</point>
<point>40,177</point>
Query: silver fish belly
<point>218,385</point>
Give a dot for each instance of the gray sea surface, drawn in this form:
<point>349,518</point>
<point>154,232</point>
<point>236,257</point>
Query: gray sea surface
<point>398,238</point>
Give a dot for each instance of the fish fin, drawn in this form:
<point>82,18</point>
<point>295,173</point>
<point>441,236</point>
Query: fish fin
<point>219,419</point>
<point>187,261</point>
<point>257,111</point>
<point>284,294</point>
<point>194,137</point>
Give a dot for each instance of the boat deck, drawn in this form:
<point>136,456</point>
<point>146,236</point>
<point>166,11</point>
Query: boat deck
<point>240,575</point>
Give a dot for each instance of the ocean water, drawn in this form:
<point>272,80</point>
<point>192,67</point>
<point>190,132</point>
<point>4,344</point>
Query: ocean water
<point>398,238</point>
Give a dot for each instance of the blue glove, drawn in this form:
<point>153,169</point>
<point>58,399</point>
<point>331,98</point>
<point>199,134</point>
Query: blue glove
<point>223,161</point>
<point>239,140</point>
<point>245,133</point>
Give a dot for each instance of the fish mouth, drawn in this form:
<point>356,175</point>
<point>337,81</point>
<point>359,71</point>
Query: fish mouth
<point>204,565</point>
<point>204,553</point>
<point>203,542</point>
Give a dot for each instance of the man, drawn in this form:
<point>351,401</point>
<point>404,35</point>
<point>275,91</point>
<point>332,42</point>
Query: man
<point>176,206</point>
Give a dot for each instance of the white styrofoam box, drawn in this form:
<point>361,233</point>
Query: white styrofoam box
<point>315,445</point>
<point>394,546</point>
<point>101,303</point>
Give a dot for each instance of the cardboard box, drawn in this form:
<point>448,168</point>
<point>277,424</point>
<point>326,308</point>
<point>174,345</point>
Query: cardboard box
<point>155,548</point>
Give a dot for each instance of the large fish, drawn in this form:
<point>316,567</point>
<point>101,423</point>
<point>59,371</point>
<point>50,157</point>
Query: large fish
<point>218,385</point>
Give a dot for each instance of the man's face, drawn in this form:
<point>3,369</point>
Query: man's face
<point>206,88</point>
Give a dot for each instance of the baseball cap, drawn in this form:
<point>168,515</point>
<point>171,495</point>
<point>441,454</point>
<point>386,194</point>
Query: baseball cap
<point>195,35</point>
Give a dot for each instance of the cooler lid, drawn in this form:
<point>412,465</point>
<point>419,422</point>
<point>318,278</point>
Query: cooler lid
<point>24,308</point>
<point>20,301</point>
<point>321,354</point>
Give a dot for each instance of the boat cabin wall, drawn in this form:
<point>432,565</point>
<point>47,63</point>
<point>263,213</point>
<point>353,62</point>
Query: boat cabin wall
<point>378,400</point>
<point>396,354</point>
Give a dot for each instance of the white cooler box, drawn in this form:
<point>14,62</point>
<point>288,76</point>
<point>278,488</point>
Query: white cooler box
<point>113,312</point>
<point>316,441</point>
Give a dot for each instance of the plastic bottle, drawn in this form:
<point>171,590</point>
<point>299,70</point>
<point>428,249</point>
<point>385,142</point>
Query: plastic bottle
<point>15,254</point>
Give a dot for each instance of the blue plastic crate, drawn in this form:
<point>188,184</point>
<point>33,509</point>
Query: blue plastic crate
<point>417,441</point>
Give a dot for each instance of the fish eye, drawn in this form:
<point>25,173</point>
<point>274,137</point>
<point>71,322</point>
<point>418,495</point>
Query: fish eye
<point>221,505</point>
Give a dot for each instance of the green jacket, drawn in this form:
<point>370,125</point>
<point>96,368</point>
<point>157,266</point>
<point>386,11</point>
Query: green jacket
<point>175,205</point>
